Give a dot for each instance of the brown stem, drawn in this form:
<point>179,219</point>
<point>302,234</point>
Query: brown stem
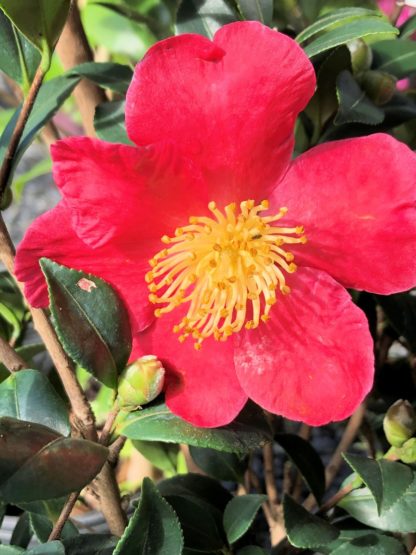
<point>105,435</point>
<point>348,437</point>
<point>28,102</point>
<point>269,477</point>
<point>115,449</point>
<point>106,487</point>
<point>63,517</point>
<point>8,356</point>
<point>73,49</point>
<point>336,498</point>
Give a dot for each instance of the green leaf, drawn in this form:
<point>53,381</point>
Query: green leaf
<point>400,310</point>
<point>203,17</point>
<point>90,544</point>
<point>51,548</point>
<point>408,28</point>
<point>28,395</point>
<point>354,105</point>
<point>219,464</point>
<point>90,320</point>
<point>307,460</point>
<point>37,463</point>
<point>304,529</point>
<point>240,513</point>
<point>196,485</point>
<point>46,21</point>
<point>260,10</point>
<point>109,75</point>
<point>158,423</point>
<point>356,29</point>
<point>397,57</point>
<point>359,542</point>
<point>335,18</point>
<point>22,534</point>
<point>10,550</point>
<point>153,529</point>
<point>162,455</point>
<point>400,517</point>
<point>109,122</point>
<point>19,59</point>
<point>251,550</point>
<point>42,526</point>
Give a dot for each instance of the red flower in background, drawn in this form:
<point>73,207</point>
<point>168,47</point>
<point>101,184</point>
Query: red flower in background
<point>246,305</point>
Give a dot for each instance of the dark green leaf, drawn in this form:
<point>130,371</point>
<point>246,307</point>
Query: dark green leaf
<point>200,523</point>
<point>304,529</point>
<point>154,528</point>
<point>400,517</point>
<point>251,550</point>
<point>37,463</point>
<point>333,19</point>
<point>364,27</point>
<point>157,423</point>
<point>307,460</point>
<point>408,28</point>
<point>354,105</point>
<point>109,122</point>
<point>219,464</point>
<point>369,472</point>
<point>19,59</point>
<point>240,513</point>
<point>162,455</point>
<point>203,17</point>
<point>360,542</point>
<point>109,75</point>
<point>90,320</point>
<point>42,527</point>
<point>43,27</point>
<point>397,57</point>
<point>400,310</point>
<point>22,534</point>
<point>28,395</point>
<point>196,485</point>
<point>260,10</point>
<point>51,548</point>
<point>90,544</point>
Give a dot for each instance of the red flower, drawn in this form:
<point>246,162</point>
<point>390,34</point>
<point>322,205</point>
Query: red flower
<point>213,124</point>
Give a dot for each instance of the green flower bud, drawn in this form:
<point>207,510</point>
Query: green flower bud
<point>361,55</point>
<point>399,423</point>
<point>407,451</point>
<point>140,383</point>
<point>379,86</point>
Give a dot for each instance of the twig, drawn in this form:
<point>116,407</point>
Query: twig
<point>269,477</point>
<point>115,449</point>
<point>73,49</point>
<point>105,435</point>
<point>63,517</point>
<point>8,356</point>
<point>348,437</point>
<point>336,498</point>
<point>6,166</point>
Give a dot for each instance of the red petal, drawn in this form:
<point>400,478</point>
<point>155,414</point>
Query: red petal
<point>202,386</point>
<point>229,104</point>
<point>122,193</point>
<point>51,235</point>
<point>356,200</point>
<point>313,361</point>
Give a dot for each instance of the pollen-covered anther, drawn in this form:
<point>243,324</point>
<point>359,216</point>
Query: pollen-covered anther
<point>226,269</point>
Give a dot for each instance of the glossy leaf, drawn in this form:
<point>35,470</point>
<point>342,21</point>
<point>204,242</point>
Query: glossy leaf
<point>203,17</point>
<point>22,533</point>
<point>400,517</point>
<point>397,57</point>
<point>42,526</point>
<point>219,464</point>
<point>108,75</point>
<point>304,529</point>
<point>360,542</point>
<point>354,105</point>
<point>359,28</point>
<point>154,528</point>
<point>158,423</point>
<point>307,460</point>
<point>19,59</point>
<point>46,21</point>
<point>408,28</point>
<point>28,395</point>
<point>37,463</point>
<point>51,548</point>
<point>240,513</point>
<point>333,19</point>
<point>109,122</point>
<point>90,320</point>
<point>162,455</point>
<point>90,544</point>
<point>258,10</point>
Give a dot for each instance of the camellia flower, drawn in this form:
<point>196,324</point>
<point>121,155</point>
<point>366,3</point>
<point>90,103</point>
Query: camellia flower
<point>231,258</point>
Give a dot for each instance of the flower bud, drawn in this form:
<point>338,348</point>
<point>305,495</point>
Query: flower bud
<point>379,86</point>
<point>141,382</point>
<point>399,423</point>
<point>407,452</point>
<point>361,55</point>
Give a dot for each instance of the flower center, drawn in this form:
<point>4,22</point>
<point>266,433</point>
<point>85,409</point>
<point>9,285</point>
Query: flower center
<point>228,267</point>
